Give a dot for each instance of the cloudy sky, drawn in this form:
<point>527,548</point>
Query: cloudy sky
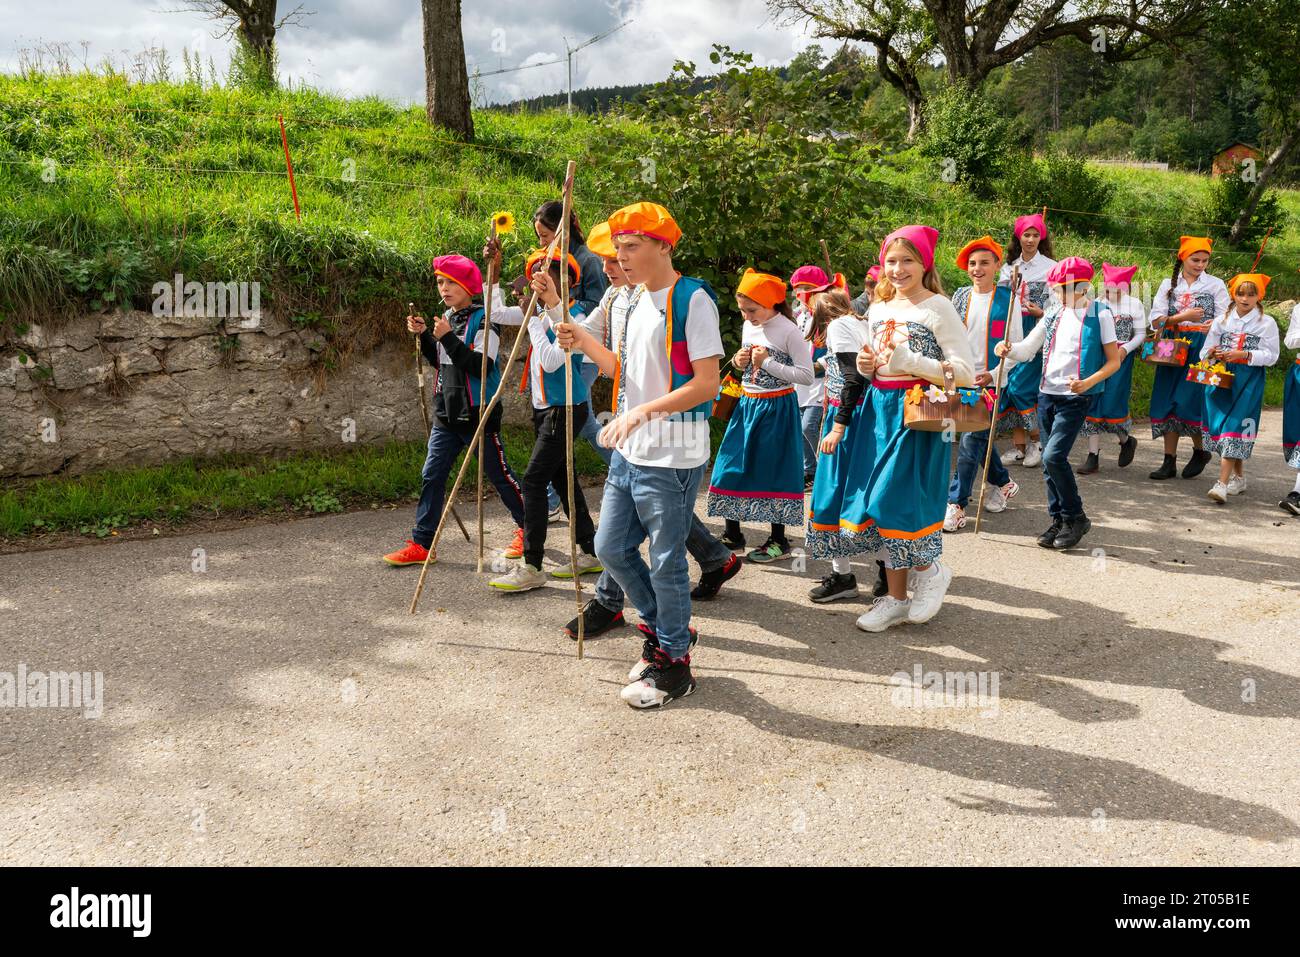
<point>358,47</point>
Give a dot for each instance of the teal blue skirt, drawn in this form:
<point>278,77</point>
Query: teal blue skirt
<point>826,536</point>
<point>1177,405</point>
<point>1109,411</point>
<point>1291,416</point>
<point>758,472</point>
<point>1232,415</point>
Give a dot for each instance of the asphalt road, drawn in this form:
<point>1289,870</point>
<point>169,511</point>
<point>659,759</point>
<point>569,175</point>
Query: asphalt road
<point>282,707</point>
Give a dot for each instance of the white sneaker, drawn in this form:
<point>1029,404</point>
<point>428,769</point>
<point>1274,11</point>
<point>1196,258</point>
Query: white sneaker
<point>523,577</point>
<point>885,611</point>
<point>1219,492</point>
<point>1013,456</point>
<point>954,518</point>
<point>1236,485</point>
<point>993,501</point>
<point>1033,455</point>
<point>587,565</point>
<point>927,596</point>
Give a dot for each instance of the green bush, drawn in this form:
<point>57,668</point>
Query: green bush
<point>1227,197</point>
<point>966,138</point>
<point>1066,183</point>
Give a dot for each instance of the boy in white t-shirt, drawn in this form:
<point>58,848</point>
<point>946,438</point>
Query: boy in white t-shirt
<point>664,360</point>
<point>1077,338</point>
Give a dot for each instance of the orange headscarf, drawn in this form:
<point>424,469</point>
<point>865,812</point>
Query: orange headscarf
<point>1258,278</point>
<point>1193,244</point>
<point>764,288</point>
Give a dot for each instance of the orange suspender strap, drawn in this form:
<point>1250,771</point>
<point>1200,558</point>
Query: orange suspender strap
<point>523,379</point>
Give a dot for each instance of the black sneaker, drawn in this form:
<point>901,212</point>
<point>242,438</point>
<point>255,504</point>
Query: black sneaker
<point>1127,449</point>
<point>771,550</point>
<point>1091,465</point>
<point>735,544</point>
<point>663,681</point>
<point>1048,538</point>
<point>1291,503</point>
<point>650,648</point>
<point>835,586</point>
<point>711,582</point>
<point>1168,469</point>
<point>1075,528</point>
<point>596,620</point>
<point>881,588</point>
<point>1200,458</point>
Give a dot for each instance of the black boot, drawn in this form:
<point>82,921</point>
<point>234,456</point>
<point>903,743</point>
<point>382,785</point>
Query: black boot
<point>1090,465</point>
<point>1048,538</point>
<point>1167,470</point>
<point>1200,459</point>
<point>1127,449</point>
<point>1075,528</point>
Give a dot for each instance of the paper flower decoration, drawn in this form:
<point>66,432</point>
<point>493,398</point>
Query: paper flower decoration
<point>1165,347</point>
<point>936,394</point>
<point>987,396</point>
<point>969,396</point>
<point>504,221</point>
<point>914,395</point>
<point>1214,379</point>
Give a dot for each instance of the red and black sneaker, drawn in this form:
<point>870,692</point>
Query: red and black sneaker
<point>649,647</point>
<point>596,620</point>
<point>662,681</point>
<point>711,582</point>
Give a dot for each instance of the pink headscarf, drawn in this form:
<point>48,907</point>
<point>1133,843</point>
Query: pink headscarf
<point>874,273</point>
<point>1070,270</point>
<point>1121,277</point>
<point>809,276</point>
<point>924,238</point>
<point>460,270</point>
<point>1032,221</point>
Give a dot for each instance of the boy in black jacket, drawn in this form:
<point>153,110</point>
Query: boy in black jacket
<point>454,348</point>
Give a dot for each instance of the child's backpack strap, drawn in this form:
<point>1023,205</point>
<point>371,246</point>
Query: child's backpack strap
<point>679,360</point>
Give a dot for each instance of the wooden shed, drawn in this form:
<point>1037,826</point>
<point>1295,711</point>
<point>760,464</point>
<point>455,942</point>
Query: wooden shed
<point>1226,160</point>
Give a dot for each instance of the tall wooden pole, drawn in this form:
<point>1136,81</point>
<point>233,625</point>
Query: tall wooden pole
<point>568,394</point>
<point>482,382</point>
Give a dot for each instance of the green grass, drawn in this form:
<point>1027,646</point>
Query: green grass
<point>310,483</point>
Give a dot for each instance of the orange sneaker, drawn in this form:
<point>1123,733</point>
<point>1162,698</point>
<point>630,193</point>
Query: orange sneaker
<point>516,549</point>
<point>412,554</point>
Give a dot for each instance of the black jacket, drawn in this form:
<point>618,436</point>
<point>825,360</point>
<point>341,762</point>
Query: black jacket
<point>451,400</point>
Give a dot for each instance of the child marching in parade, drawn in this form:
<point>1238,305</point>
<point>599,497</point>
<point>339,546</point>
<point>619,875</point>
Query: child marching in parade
<point>1077,339</point>
<point>1031,252</point>
<point>846,431</point>
<point>664,361</point>
<point>812,397</point>
<point>1184,306</point>
<point>544,375</point>
<point>758,471</point>
<point>455,348</point>
<point>1291,414</point>
<point>990,313</point>
<point>1244,341</point>
<point>897,492</point>
<point>1109,412</point>
<point>717,564</point>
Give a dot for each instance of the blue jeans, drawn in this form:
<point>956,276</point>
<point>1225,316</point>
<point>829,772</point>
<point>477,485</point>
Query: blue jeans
<point>1060,417</point>
<point>589,432</point>
<point>702,545</point>
<point>970,459</point>
<point>654,503</point>
<point>444,446</point>
<point>812,437</point>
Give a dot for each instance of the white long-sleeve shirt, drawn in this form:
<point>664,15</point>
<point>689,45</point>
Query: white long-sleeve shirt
<point>1255,332</point>
<point>815,391</point>
<point>783,341</point>
<point>1129,308</point>
<point>1062,366</point>
<point>922,338</point>
<point>1182,296</point>
<point>1293,329</point>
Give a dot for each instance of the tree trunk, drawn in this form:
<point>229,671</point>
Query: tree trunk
<point>1275,162</point>
<point>915,115</point>
<point>446,80</point>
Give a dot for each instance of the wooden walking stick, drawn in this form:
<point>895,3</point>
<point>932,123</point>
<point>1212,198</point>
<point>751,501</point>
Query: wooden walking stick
<point>568,394</point>
<point>484,415</point>
<point>424,405</point>
<point>826,253</point>
<point>997,400</point>
<point>482,382</point>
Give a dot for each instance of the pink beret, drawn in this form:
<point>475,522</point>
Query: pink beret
<point>924,238</point>
<point>460,270</point>
<point>1069,270</point>
<point>809,276</point>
